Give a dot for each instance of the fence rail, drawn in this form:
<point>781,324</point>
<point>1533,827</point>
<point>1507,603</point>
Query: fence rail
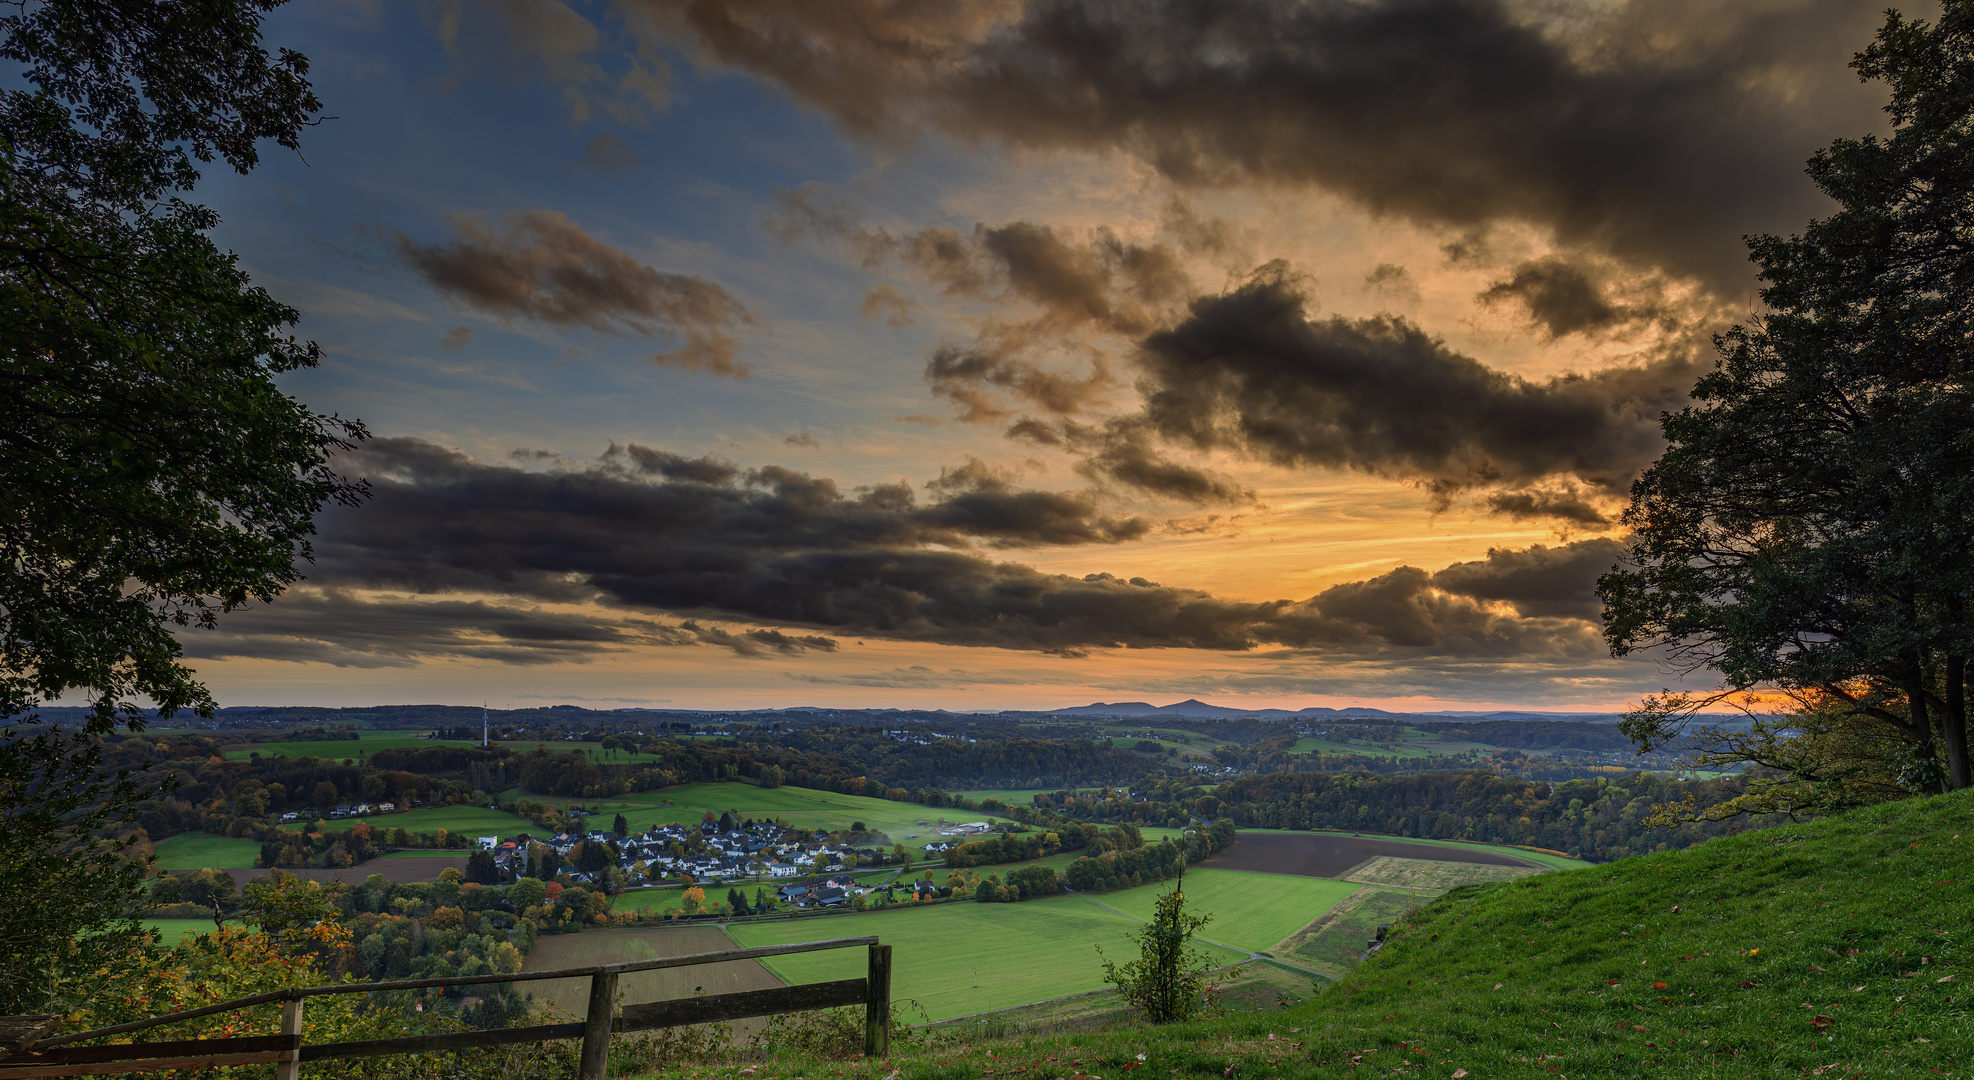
<point>55,1056</point>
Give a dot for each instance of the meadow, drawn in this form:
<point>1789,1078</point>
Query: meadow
<point>172,931</point>
<point>1250,911</point>
<point>366,743</point>
<point>471,820</point>
<point>1552,862</point>
<point>197,851</point>
<point>1021,952</point>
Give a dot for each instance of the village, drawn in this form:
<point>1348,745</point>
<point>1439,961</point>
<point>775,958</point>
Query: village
<point>720,850</point>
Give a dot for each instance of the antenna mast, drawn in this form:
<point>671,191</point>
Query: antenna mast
<point>483,724</point>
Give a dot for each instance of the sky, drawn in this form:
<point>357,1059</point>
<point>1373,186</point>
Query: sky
<point>1007,353</point>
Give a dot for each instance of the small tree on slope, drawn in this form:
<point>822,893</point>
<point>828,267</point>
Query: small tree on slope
<point>1167,982</point>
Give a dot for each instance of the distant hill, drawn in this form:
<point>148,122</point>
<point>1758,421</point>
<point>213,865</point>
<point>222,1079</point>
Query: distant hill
<point>1193,708</point>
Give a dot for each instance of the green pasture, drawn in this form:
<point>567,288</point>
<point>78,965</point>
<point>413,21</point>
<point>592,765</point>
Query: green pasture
<point>172,931</point>
<point>1250,911</point>
<point>366,743</point>
<point>801,807</point>
<point>1013,797</point>
<point>593,750</point>
<point>1021,952</point>
<point>472,820</point>
<point>197,851</point>
<point>1553,862</point>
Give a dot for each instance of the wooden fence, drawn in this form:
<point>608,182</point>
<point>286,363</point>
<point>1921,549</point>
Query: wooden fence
<point>40,1054</point>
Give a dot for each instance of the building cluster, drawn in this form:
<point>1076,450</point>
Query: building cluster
<point>701,853</point>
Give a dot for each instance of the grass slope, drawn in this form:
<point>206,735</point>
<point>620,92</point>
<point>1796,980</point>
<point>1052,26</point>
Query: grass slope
<point>1834,948</point>
<point>196,851</point>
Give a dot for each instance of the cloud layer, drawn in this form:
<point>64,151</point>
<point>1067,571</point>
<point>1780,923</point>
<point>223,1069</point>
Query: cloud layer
<point>540,266</point>
<point>1658,133</point>
<point>647,534</point>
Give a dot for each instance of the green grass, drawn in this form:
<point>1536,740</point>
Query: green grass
<point>1553,862</point>
<point>1019,796</point>
<point>1250,911</point>
<point>802,807</point>
<point>172,931</point>
<point>1024,952</point>
<point>197,851</point>
<point>366,742</point>
<point>594,751</point>
<point>472,820</point>
<point>1838,946</point>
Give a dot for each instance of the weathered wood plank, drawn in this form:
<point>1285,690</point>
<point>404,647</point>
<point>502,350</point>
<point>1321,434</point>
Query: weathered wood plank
<point>16,1032</point>
<point>596,1027</point>
<point>877,1010</point>
<point>705,1010</point>
<point>426,1044</point>
<point>75,1055</point>
<point>9,1071</point>
<point>469,980</point>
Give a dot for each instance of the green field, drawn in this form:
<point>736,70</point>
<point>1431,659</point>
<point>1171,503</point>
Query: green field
<point>472,820</point>
<point>1250,911</point>
<point>197,851</point>
<point>801,807</point>
<point>1014,797</point>
<point>172,931</point>
<point>594,751</point>
<point>1553,862</point>
<point>366,742</point>
<point>1022,952</point>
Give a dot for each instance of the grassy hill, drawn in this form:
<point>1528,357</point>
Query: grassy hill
<point>1835,948</point>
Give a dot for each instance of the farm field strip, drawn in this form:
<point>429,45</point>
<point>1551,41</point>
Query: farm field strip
<point>1331,944</point>
<point>197,851</point>
<point>1429,875</point>
<point>172,931</point>
<point>1023,952</point>
<point>366,742</point>
<point>1553,862</point>
<point>471,820</point>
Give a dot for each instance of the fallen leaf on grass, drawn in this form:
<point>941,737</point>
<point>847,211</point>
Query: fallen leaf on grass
<point>1458,1074</point>
<point>1129,1065</point>
<point>1945,978</point>
<point>1659,986</point>
<point>1747,986</point>
<point>1819,1022</point>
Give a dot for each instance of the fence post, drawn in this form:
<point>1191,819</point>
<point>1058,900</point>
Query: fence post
<point>596,1028</point>
<point>291,1024</point>
<point>877,1013</point>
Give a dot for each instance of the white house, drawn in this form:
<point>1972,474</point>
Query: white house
<point>489,843</point>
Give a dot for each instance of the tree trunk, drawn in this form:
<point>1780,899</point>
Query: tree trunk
<point>1953,724</point>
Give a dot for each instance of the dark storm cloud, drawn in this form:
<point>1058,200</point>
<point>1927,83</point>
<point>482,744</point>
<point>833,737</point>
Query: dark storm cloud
<point>773,546</point>
<point>539,265</point>
<point>1121,451</point>
<point>333,627</point>
<point>1562,297</point>
<point>1251,371</point>
<point>1560,581</point>
<point>1658,133</point>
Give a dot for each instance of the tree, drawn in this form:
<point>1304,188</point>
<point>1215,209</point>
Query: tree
<point>1810,527</point>
<point>620,826</point>
<point>480,868</point>
<point>151,473</point>
<point>1167,982</point>
<point>324,796</point>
